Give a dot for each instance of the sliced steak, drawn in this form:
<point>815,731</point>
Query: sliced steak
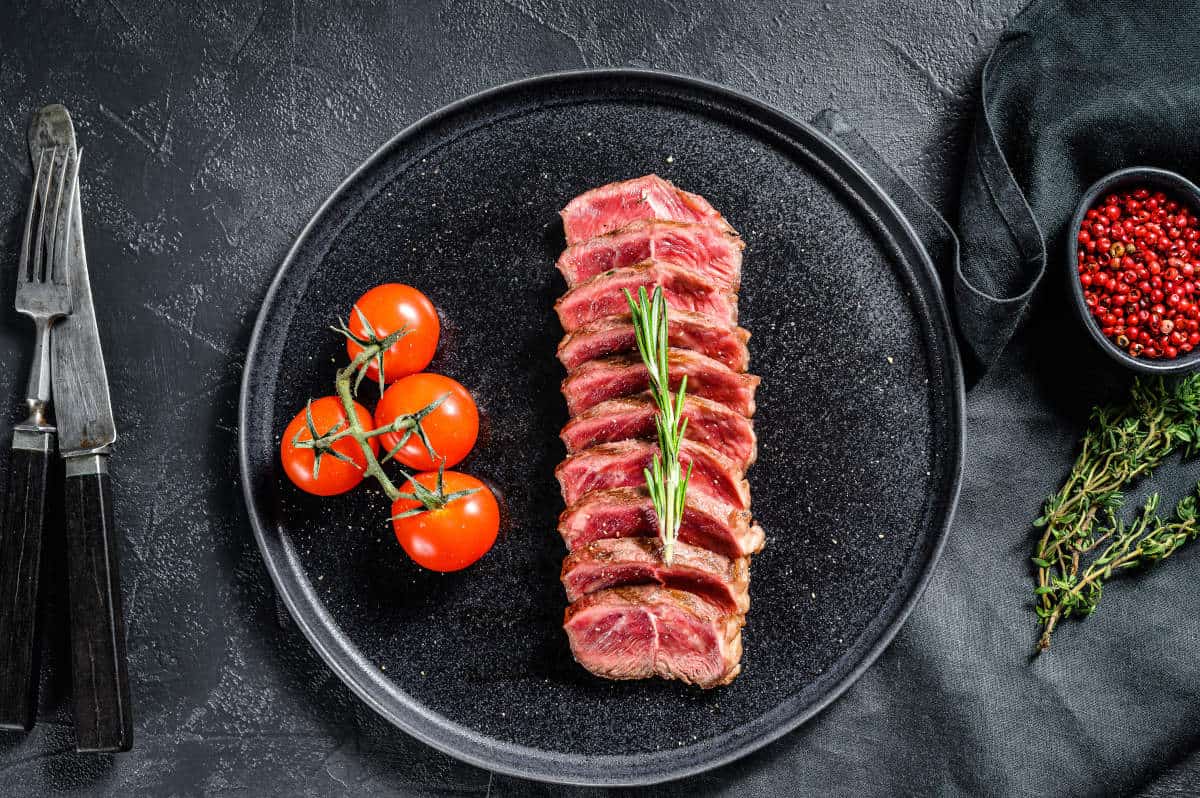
<point>617,562</point>
<point>620,465</point>
<point>708,252</point>
<point>613,335</point>
<point>604,294</point>
<point>632,616</point>
<point>628,513</point>
<point>710,423</point>
<point>608,208</point>
<point>638,632</point>
<point>613,377</point>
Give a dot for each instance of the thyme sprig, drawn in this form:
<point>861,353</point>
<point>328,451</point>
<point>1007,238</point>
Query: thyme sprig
<point>665,480</point>
<point>1123,444</point>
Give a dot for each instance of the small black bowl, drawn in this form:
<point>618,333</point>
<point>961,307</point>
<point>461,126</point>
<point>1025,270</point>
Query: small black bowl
<point>1175,186</point>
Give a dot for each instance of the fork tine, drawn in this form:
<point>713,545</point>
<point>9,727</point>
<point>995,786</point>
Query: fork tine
<point>24,274</point>
<point>60,274</point>
<point>52,235</point>
<point>43,196</point>
<point>39,263</point>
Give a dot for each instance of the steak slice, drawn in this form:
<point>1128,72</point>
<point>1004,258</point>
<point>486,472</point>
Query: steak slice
<point>604,294</point>
<point>710,253</point>
<point>617,562</point>
<point>710,423</point>
<point>613,377</point>
<point>613,335</point>
<point>608,208</point>
<point>628,513</point>
<point>639,632</point>
<point>620,465</point>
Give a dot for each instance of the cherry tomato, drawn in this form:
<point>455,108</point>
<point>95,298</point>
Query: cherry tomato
<point>451,427</point>
<point>390,307</point>
<point>335,475</point>
<point>454,536</point>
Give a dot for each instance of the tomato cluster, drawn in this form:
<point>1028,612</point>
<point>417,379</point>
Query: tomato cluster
<point>444,520</point>
<point>1138,256</point>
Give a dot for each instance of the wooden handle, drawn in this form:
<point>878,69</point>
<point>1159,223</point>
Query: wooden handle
<point>20,563</point>
<point>103,719</point>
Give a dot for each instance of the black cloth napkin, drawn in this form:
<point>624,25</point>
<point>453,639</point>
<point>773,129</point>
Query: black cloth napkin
<point>959,705</point>
<point>1074,90</point>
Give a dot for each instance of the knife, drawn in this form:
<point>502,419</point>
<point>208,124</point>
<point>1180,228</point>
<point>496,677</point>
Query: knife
<point>86,432</point>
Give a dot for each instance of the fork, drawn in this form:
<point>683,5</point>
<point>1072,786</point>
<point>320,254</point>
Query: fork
<point>44,294</point>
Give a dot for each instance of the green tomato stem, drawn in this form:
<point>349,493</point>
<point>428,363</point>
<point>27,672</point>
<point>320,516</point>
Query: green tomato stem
<point>354,429</point>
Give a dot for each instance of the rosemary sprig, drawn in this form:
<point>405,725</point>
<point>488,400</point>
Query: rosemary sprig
<point>1122,444</point>
<point>665,480</point>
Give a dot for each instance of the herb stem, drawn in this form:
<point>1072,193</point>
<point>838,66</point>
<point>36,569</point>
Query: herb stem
<point>1123,444</point>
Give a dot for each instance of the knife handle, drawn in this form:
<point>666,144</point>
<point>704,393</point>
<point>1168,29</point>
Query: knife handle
<point>20,564</point>
<point>103,718</point>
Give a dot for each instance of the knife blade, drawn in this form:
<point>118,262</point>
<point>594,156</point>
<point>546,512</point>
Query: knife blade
<point>83,410</point>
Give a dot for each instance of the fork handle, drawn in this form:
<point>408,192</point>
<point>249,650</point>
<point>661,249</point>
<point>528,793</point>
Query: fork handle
<point>38,393</point>
<point>103,718</point>
<point>20,563</point>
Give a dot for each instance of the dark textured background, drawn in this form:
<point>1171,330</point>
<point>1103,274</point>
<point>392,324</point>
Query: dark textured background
<point>213,132</point>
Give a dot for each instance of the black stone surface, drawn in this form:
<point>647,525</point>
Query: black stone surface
<point>213,132</point>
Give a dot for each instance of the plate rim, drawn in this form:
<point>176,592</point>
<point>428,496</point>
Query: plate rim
<point>660,769</point>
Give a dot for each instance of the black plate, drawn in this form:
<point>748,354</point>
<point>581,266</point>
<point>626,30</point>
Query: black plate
<point>859,423</point>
